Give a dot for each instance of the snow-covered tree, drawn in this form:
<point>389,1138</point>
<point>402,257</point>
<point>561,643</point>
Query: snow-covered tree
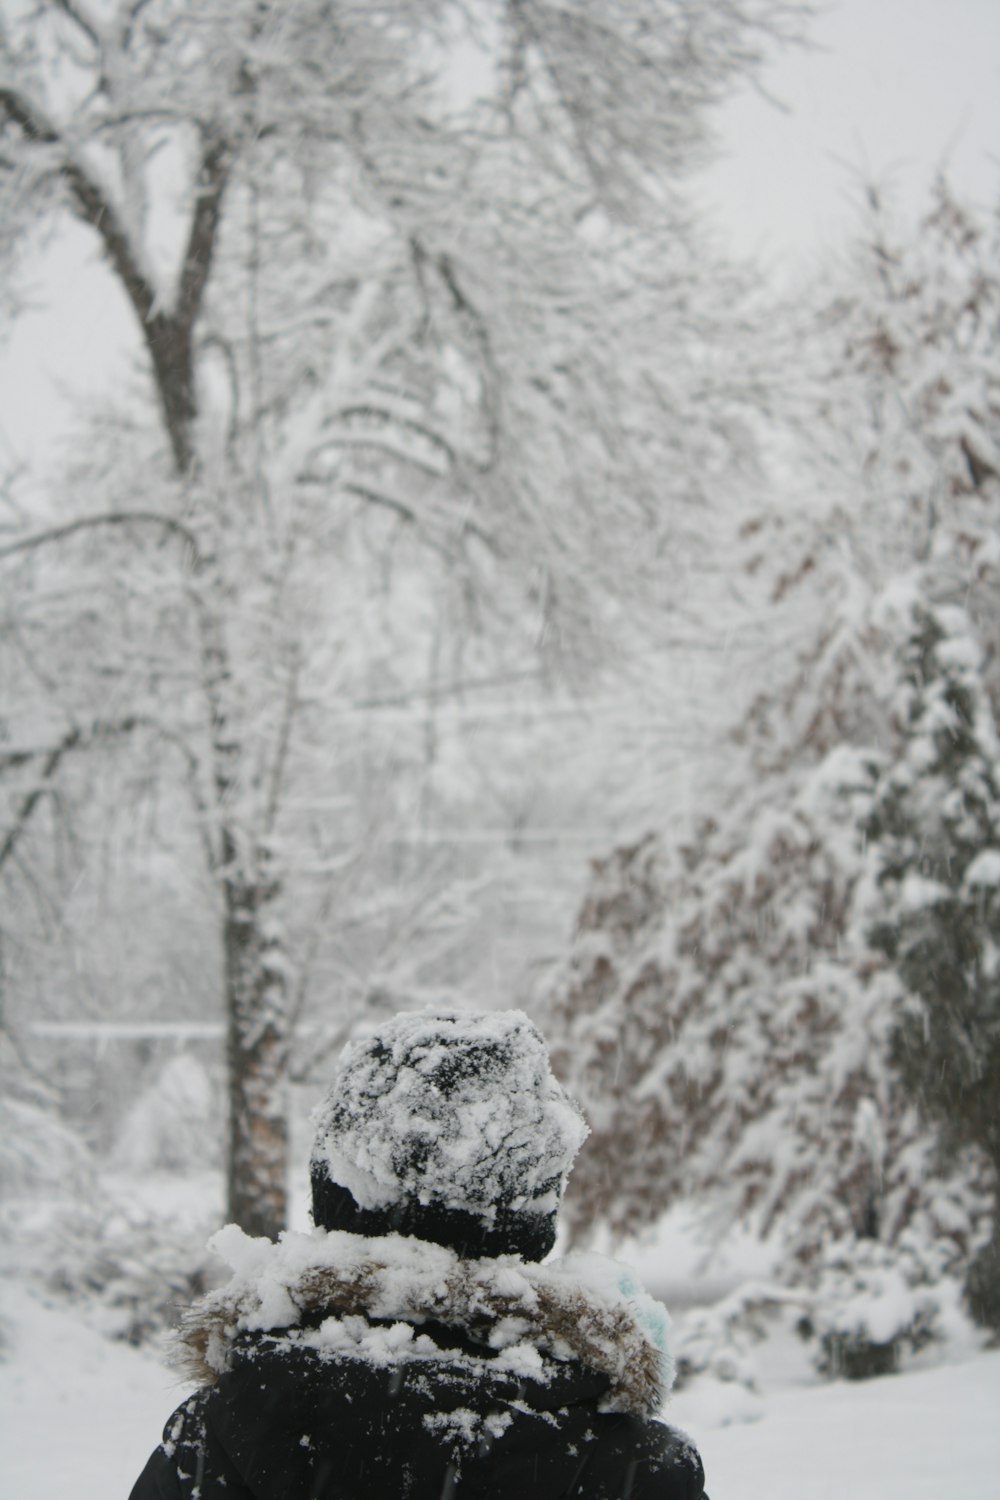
<point>418,308</point>
<point>934,830</point>
<point>734,1011</point>
<point>732,1034</point>
<point>916,328</point>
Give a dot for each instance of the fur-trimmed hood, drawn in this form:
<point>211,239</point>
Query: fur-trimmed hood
<point>315,1287</point>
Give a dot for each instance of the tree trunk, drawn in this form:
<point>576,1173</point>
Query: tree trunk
<point>257,1058</point>
<point>254,968</point>
<point>172,352</point>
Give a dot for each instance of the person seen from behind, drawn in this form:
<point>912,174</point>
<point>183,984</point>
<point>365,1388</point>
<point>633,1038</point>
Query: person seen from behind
<point>416,1344</point>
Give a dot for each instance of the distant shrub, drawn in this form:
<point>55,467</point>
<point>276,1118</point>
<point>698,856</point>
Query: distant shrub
<point>874,1306</point>
<point>719,1340</point>
<point>38,1152</point>
<point>134,1273</point>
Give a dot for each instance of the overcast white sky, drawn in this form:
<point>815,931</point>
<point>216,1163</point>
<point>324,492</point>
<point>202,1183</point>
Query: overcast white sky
<point>891,88</point>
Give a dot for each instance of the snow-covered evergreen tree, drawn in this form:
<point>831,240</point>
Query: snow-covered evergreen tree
<point>934,831</point>
<point>729,1012</point>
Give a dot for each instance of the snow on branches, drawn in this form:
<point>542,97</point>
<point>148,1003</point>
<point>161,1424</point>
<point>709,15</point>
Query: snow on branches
<point>790,1017</point>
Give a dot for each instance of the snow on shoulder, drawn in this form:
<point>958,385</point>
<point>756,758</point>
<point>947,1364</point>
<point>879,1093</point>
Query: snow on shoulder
<point>452,1108</point>
<point>583,1307</point>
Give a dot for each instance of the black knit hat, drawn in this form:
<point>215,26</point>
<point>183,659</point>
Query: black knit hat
<point>449,1126</point>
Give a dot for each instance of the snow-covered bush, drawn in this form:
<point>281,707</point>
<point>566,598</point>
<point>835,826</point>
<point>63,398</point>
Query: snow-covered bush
<point>130,1271</point>
<point>129,1250</point>
<point>873,1305</point>
<point>38,1152</point>
<point>719,1340</point>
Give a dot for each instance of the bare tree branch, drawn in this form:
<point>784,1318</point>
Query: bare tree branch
<point>384,418</point>
<point>170,335</point>
<point>132,14</point>
<point>93,204</point>
<point>106,518</point>
<point>102,731</point>
<point>289,710</point>
<point>75,12</point>
<point>31,801</point>
<point>167,331</point>
<point>213,175</point>
<point>462,304</point>
<point>24,1061</point>
<point>376,497</point>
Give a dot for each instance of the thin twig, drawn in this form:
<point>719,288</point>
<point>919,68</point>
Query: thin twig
<point>105,518</point>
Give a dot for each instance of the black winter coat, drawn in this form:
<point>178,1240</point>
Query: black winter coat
<point>506,1380</point>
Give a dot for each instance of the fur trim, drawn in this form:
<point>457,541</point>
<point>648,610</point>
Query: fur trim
<point>584,1307</point>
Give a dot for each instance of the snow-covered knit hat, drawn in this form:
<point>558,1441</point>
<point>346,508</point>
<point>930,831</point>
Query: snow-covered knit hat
<point>449,1126</point>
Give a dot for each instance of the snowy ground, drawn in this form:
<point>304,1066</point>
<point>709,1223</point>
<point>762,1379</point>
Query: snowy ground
<point>79,1415</point>
<point>925,1435</point>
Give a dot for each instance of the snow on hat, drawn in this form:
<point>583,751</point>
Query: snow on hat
<point>452,1109</point>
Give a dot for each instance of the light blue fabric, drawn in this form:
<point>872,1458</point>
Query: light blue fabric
<point>652,1317</point>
